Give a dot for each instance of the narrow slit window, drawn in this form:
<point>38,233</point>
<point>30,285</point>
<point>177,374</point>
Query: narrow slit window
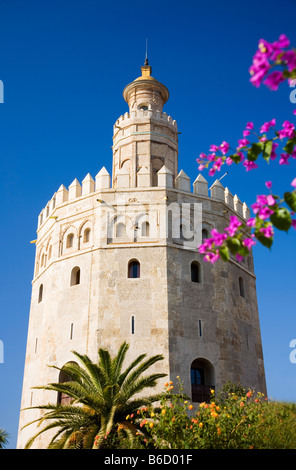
<point>241,287</point>
<point>71,331</point>
<point>199,328</point>
<point>133,325</point>
<point>40,294</point>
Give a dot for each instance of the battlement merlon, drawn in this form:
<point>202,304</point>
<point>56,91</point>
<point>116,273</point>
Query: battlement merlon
<point>102,182</point>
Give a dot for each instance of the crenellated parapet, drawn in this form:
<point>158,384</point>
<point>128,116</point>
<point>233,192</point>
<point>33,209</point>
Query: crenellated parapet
<point>165,180</point>
<point>139,114</point>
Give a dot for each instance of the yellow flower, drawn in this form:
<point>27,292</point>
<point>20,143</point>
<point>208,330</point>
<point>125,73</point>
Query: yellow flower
<point>200,425</point>
<point>152,414</point>
<point>151,425</point>
<point>190,407</point>
<point>127,417</point>
<point>163,412</point>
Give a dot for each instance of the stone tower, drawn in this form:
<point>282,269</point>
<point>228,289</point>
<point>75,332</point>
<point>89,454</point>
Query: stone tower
<point>117,259</point>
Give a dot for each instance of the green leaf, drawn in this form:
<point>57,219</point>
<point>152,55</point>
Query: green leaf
<point>281,219</point>
<point>224,253</point>
<point>255,151</point>
<point>267,150</point>
<point>235,158</point>
<point>289,147</point>
<point>234,245</point>
<point>290,199</point>
<point>264,240</point>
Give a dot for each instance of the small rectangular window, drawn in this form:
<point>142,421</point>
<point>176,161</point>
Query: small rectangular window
<point>199,328</point>
<point>71,331</point>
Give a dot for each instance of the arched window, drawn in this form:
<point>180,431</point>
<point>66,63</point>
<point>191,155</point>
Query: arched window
<point>195,271</point>
<point>70,240</point>
<point>204,234</point>
<point>134,269</point>
<point>241,287</point>
<point>64,399</point>
<point>120,230</point>
<point>40,294</point>
<point>202,380</point>
<point>145,229</point>
<point>75,276</point>
<point>86,235</point>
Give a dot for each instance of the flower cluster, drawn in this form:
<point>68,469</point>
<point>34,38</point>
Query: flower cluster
<point>247,152</point>
<point>268,213</point>
<point>271,55</point>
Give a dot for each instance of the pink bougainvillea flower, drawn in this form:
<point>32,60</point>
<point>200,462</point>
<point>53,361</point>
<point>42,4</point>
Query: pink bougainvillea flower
<point>214,148</point>
<point>294,112</point>
<point>268,184</point>
<point>294,224</point>
<point>289,59</point>
<point>274,80</point>
<point>212,257</point>
<point>239,257</point>
<point>284,159</point>
<point>267,231</point>
<point>218,237</point>
<point>233,226</point>
<point>294,183</point>
<point>265,213</point>
<point>283,42</point>
<point>265,47</point>
<point>287,131</point>
<point>259,69</point>
<point>251,222</point>
<point>243,143</point>
<point>229,161</point>
<point>267,125</point>
<point>270,200</point>
<point>218,163</point>
<point>250,125</point>
<point>248,243</point>
<point>224,147</point>
<point>249,165</point>
<point>273,155</point>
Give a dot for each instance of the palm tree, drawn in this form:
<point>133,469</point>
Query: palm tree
<point>3,438</point>
<point>102,396</point>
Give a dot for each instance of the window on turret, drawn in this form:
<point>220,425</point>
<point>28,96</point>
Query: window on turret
<point>145,229</point>
<point>134,269</point>
<point>40,294</point>
<point>70,240</point>
<point>120,230</point>
<point>241,287</point>
<point>75,276</point>
<point>86,235</point>
<point>195,271</point>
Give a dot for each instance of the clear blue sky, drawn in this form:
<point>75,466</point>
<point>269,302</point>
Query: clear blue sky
<point>64,66</point>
